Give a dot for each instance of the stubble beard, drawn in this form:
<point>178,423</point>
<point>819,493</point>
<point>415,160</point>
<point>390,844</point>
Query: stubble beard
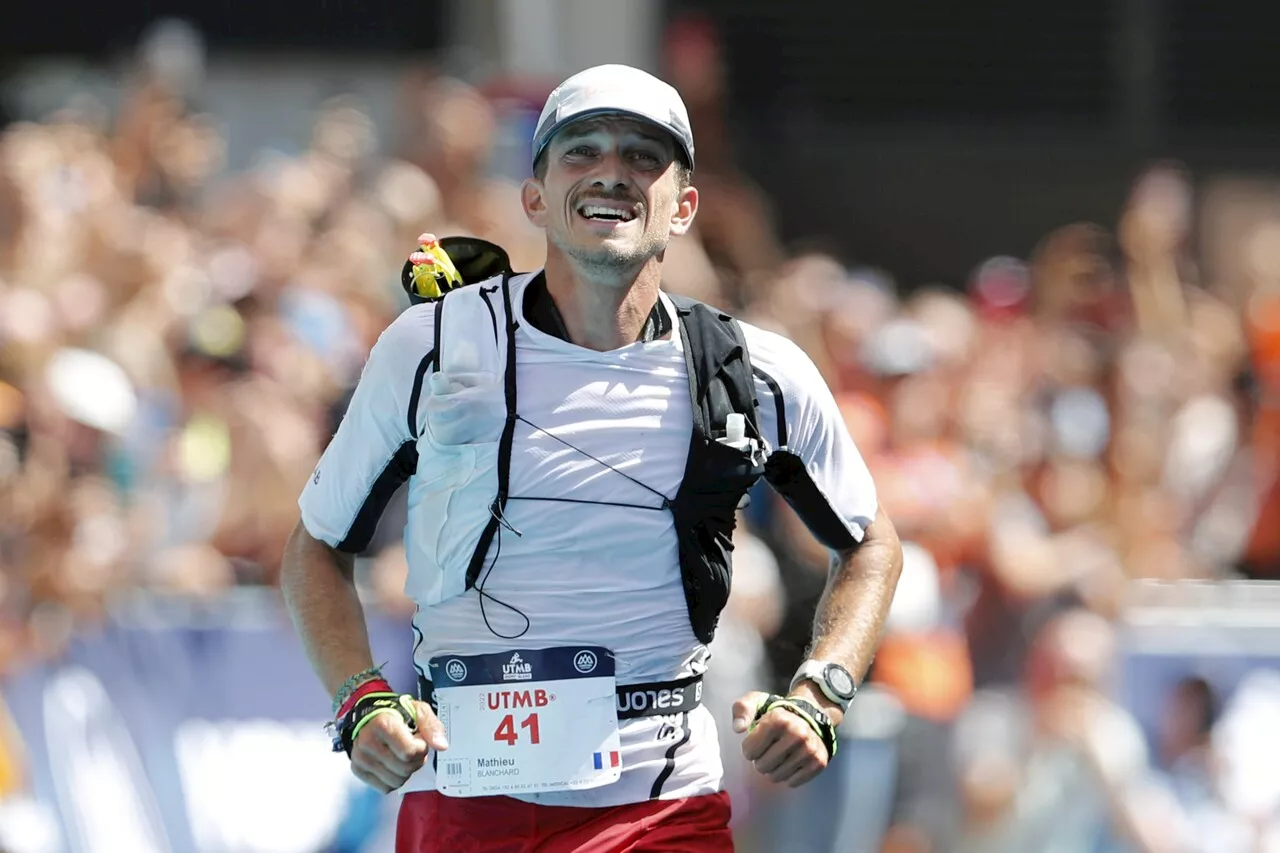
<point>611,262</point>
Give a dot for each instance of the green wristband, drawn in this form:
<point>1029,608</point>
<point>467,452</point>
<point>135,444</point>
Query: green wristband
<point>377,712</point>
<point>366,708</point>
<point>826,732</point>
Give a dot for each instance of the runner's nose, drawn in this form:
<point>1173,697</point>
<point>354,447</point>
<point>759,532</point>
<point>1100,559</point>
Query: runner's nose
<point>611,173</point>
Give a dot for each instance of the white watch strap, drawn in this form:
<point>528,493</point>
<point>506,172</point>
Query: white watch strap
<point>813,670</point>
<point>810,669</point>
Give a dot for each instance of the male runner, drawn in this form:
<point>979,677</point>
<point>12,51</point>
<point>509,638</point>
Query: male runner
<point>581,594</point>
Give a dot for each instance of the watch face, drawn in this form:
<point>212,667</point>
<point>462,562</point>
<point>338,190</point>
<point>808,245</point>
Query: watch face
<point>840,680</point>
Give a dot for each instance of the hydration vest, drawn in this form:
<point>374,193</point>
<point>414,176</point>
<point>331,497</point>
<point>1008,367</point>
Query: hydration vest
<point>717,473</point>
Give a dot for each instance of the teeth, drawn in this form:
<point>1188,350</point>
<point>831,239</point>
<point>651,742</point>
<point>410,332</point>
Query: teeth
<point>596,211</point>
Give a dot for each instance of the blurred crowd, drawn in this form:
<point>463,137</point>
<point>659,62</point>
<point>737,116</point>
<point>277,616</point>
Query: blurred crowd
<point>177,343</point>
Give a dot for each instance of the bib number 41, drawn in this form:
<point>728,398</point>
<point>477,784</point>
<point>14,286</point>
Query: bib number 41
<point>506,730</point>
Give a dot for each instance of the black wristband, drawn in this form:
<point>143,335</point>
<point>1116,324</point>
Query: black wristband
<point>825,729</point>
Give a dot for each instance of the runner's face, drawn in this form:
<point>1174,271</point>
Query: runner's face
<point>611,195</point>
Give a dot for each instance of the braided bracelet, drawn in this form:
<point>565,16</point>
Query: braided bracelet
<point>353,683</point>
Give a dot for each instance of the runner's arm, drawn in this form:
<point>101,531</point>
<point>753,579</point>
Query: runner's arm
<point>816,468</point>
<point>853,608</point>
<point>370,456</point>
<point>320,593</point>
<point>819,471</point>
<point>847,628</point>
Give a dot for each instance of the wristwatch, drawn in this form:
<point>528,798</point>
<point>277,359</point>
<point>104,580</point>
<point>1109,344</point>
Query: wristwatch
<point>834,680</point>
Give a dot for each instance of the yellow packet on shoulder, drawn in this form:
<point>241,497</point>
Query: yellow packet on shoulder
<point>433,280</point>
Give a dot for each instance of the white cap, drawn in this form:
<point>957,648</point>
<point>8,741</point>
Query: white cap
<point>615,90</point>
<point>901,347</point>
<point>92,389</point>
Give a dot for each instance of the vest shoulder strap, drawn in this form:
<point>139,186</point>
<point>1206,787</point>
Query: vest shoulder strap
<point>459,346</point>
<point>456,344</point>
<point>501,357</point>
<point>717,476</point>
<point>719,366</point>
<point>460,342</point>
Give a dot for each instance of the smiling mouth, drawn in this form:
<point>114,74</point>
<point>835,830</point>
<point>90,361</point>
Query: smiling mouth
<point>605,213</point>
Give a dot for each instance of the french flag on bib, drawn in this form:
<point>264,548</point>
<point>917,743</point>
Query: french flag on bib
<point>612,759</point>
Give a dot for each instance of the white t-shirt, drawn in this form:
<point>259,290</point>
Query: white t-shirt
<point>595,572</point>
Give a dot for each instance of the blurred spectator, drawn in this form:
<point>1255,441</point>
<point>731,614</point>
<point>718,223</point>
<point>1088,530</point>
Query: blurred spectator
<point>734,224</point>
<point>1154,231</point>
<point>451,129</point>
<point>1073,280</point>
<point>1051,771</point>
<point>924,662</point>
<point>1185,747</point>
<point>739,664</point>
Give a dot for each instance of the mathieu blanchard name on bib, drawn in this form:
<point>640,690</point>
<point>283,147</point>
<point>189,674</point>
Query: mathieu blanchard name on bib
<point>495,762</point>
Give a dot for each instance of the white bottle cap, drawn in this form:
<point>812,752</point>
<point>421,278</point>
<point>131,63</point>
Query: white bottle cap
<point>735,427</point>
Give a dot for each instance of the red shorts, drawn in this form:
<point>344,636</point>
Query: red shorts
<point>433,823</point>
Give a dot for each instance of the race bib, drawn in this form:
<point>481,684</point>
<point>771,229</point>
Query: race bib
<point>527,721</point>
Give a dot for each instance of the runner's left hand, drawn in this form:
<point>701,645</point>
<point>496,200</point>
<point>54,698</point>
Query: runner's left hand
<point>782,746</point>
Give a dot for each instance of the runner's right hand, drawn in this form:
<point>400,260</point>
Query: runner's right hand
<point>387,751</point>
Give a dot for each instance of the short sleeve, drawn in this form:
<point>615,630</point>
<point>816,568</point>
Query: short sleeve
<point>815,465</point>
<point>375,449</point>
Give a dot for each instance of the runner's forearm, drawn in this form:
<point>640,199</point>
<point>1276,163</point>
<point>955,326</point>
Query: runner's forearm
<point>320,593</point>
<point>855,604</point>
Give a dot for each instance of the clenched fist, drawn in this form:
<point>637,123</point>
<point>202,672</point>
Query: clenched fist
<point>386,751</point>
<point>781,745</point>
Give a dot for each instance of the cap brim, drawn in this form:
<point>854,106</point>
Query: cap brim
<point>550,133</point>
